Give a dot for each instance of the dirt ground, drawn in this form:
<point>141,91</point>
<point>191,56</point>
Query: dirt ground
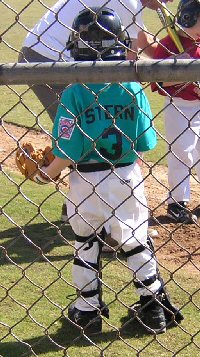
<point>178,243</point>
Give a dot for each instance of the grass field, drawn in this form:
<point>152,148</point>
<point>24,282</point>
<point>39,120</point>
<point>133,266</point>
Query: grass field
<point>35,281</point>
<point>37,250</point>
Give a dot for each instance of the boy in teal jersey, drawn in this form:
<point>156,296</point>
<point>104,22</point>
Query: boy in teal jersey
<point>118,127</point>
<point>98,131</point>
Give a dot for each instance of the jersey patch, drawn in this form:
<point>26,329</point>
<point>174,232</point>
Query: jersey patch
<point>66,128</point>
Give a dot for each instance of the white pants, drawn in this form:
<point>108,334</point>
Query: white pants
<point>117,202</point>
<point>182,123</point>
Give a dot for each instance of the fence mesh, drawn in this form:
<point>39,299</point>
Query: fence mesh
<point>37,241</point>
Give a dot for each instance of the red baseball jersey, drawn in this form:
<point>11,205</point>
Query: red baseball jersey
<point>166,50</point>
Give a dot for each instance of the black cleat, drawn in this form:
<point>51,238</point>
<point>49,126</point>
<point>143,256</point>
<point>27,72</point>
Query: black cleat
<point>153,316</point>
<point>173,315</point>
<point>150,314</point>
<point>91,321</point>
<point>179,213</point>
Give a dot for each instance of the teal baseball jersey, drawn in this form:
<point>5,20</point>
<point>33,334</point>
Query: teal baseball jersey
<point>104,123</point>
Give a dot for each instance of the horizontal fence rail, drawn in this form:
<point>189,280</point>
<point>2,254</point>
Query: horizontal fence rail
<point>93,72</point>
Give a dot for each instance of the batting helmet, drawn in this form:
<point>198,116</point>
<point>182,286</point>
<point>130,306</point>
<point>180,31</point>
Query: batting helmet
<point>98,34</point>
<point>188,12</point>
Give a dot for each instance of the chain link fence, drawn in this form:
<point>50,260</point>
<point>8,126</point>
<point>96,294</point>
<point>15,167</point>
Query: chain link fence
<point>37,242</point>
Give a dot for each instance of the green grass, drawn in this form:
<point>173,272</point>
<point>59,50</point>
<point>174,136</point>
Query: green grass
<point>36,286</point>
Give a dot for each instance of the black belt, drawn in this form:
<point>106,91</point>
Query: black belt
<point>99,166</point>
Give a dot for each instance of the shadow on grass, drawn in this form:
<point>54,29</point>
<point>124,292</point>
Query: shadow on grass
<point>69,336</point>
<point>66,337</point>
<point>27,245</point>
<point>38,238</point>
<point>40,230</point>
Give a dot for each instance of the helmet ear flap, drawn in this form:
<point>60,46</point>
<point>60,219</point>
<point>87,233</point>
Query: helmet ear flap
<point>188,13</point>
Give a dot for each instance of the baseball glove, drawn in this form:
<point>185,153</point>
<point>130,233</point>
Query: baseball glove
<point>29,161</point>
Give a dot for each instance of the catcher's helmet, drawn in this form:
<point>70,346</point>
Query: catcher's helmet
<point>188,12</point>
<point>98,34</point>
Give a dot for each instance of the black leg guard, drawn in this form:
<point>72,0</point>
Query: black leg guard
<point>89,242</point>
<point>171,312</point>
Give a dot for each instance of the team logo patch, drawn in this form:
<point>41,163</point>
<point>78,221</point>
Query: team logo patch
<point>66,128</point>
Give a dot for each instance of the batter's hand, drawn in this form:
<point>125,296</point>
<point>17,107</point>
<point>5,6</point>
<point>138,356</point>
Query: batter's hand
<point>30,162</point>
<point>197,91</point>
<point>153,4</point>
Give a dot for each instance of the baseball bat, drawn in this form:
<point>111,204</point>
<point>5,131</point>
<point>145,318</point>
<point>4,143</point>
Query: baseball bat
<point>166,20</point>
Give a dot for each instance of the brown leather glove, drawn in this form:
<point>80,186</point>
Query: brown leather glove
<point>29,161</point>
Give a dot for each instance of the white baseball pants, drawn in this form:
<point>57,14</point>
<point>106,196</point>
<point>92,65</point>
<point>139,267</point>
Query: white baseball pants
<point>182,123</point>
<point>117,202</point>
